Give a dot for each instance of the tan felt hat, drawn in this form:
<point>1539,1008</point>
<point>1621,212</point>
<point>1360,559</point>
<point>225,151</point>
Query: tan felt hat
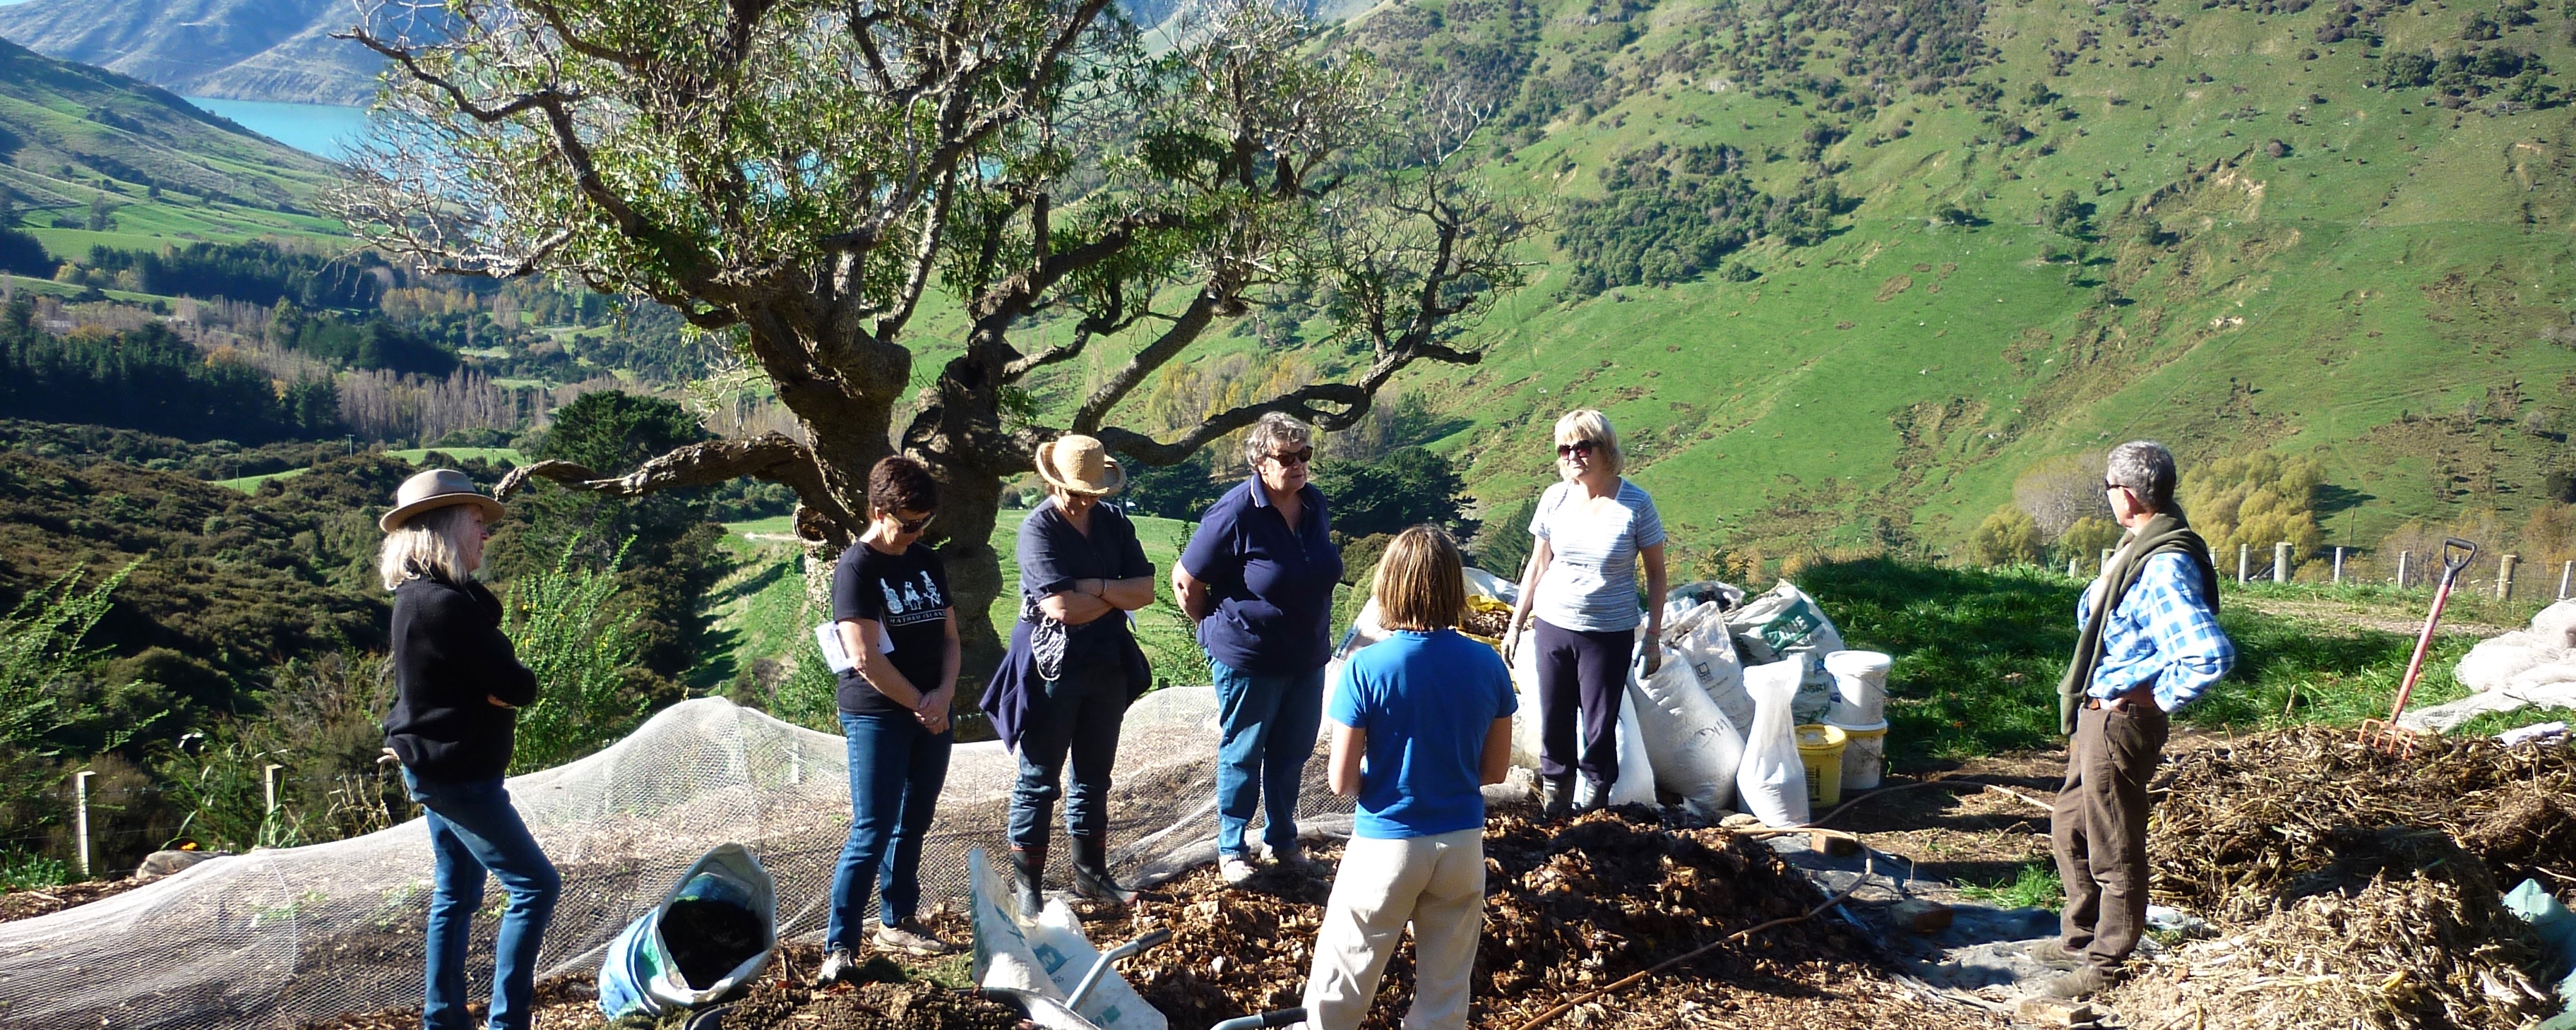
<point>437,488</point>
<point>1079,464</point>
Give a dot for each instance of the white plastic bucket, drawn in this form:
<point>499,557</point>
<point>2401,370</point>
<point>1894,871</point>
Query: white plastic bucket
<point>1860,687</point>
<point>1864,755</point>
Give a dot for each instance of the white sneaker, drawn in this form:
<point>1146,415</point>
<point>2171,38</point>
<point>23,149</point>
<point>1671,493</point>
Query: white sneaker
<point>1233,869</point>
<point>1292,856</point>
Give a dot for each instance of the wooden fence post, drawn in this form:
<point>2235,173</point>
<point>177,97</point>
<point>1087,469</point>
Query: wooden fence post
<point>2244,562</point>
<point>2504,577</point>
<point>2402,556</point>
<point>2338,573</point>
<point>2281,562</point>
<point>80,816</point>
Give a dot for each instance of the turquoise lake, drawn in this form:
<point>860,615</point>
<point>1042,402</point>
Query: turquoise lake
<point>320,129</point>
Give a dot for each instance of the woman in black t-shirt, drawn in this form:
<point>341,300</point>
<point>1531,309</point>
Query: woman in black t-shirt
<point>890,602</point>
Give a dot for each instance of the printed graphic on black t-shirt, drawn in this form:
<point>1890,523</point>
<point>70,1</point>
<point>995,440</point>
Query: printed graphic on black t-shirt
<point>906,594</point>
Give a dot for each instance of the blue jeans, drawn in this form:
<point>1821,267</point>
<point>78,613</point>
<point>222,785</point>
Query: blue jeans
<point>1077,713</point>
<point>1266,731</point>
<point>896,769</point>
<point>472,828</point>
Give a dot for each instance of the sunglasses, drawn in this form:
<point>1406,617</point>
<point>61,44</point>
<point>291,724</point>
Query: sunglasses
<point>2108,487</point>
<point>904,525</point>
<point>1582,447</point>
<point>1300,456</point>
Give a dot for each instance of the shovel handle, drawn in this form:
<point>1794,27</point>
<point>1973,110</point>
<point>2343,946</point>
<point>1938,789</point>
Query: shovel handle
<point>2456,556</point>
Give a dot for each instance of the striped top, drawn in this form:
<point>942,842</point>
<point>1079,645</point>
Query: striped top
<point>1591,580</point>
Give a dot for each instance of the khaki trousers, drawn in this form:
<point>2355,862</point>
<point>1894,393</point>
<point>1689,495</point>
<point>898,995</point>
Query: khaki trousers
<point>1435,883</point>
<point>2099,829</point>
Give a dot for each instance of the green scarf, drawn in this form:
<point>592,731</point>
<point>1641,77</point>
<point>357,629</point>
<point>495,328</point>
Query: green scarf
<point>2165,532</point>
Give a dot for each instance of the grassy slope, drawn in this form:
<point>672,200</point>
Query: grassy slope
<point>218,181</point>
<point>1912,371</point>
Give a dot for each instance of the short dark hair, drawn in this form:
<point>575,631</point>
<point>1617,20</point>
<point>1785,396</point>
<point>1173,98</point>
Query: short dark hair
<point>2147,469</point>
<point>900,484</point>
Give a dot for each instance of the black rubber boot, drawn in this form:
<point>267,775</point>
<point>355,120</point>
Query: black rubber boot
<point>1028,866</point>
<point>1560,799</point>
<point>1091,877</point>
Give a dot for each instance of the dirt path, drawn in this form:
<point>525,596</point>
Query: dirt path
<point>2361,616</point>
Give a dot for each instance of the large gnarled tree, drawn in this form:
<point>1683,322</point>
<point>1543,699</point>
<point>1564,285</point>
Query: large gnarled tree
<point>796,177</point>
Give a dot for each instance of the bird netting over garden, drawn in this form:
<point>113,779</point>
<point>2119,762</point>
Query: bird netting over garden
<point>286,936</point>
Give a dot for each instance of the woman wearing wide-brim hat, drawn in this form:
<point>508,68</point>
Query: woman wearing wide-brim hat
<point>457,686</point>
<point>1074,664</point>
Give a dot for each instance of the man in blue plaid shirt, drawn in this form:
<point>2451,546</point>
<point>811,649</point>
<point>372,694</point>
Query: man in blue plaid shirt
<point>2151,644</point>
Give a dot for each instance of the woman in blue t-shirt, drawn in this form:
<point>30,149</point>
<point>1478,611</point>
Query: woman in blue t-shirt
<point>891,607</point>
<point>1258,580</point>
<point>1421,721</point>
<point>1593,530</point>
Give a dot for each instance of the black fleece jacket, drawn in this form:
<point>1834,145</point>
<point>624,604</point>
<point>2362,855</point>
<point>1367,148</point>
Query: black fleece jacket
<point>450,660</point>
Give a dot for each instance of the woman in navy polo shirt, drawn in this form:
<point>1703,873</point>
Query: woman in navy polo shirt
<point>1258,579</point>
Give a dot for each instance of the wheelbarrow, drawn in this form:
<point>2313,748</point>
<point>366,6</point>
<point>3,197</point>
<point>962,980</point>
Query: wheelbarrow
<point>2384,734</point>
<point>1048,1012</point>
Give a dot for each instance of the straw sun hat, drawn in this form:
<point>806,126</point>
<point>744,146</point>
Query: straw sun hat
<point>437,488</point>
<point>1078,464</point>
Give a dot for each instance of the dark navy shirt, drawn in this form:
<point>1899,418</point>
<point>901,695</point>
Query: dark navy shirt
<point>1053,555</point>
<point>1271,587</point>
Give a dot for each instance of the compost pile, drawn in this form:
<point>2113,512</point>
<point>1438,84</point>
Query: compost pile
<point>708,939</point>
<point>1567,912</point>
<point>887,999</point>
<point>2354,888</point>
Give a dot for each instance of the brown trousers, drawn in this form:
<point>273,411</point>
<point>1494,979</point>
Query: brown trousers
<point>2099,829</point>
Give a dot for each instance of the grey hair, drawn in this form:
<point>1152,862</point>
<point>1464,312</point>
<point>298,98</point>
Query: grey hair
<point>427,543</point>
<point>1274,428</point>
<point>2147,469</point>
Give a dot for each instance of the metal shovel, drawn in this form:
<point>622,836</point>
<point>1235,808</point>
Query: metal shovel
<point>2386,735</point>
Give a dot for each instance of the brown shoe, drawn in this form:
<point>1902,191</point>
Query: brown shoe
<point>2084,982</point>
<point>2053,954</point>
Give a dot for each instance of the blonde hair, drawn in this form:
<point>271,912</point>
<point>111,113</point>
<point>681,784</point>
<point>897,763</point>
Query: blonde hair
<point>1590,424</point>
<point>1420,583</point>
<point>426,544</point>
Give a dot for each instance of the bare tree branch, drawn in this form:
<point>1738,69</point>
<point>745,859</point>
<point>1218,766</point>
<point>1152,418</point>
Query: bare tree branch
<point>770,456</point>
<point>1185,330</point>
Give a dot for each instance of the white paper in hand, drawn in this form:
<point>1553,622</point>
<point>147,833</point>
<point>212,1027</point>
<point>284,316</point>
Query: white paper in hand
<point>828,637</point>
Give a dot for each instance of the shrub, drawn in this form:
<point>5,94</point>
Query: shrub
<point>2087,539</point>
<point>567,629</point>
<point>2256,500</point>
<point>2007,537</point>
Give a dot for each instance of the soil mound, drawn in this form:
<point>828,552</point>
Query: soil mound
<point>1568,910</point>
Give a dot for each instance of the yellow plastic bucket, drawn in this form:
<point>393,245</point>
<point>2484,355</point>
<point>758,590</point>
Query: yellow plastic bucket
<point>1820,749</point>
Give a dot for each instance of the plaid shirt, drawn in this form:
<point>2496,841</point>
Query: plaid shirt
<point>2164,633</point>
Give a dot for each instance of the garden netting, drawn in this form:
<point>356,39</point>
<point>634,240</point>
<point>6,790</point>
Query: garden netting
<point>281,937</point>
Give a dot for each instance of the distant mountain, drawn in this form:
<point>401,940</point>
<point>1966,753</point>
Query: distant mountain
<point>235,49</point>
<point>70,133</point>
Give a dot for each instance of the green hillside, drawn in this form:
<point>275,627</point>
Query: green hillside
<point>2358,249</point>
<point>77,141</point>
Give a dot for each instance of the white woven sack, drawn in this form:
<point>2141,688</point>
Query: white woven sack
<point>1694,748</point>
<point>1772,782</point>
